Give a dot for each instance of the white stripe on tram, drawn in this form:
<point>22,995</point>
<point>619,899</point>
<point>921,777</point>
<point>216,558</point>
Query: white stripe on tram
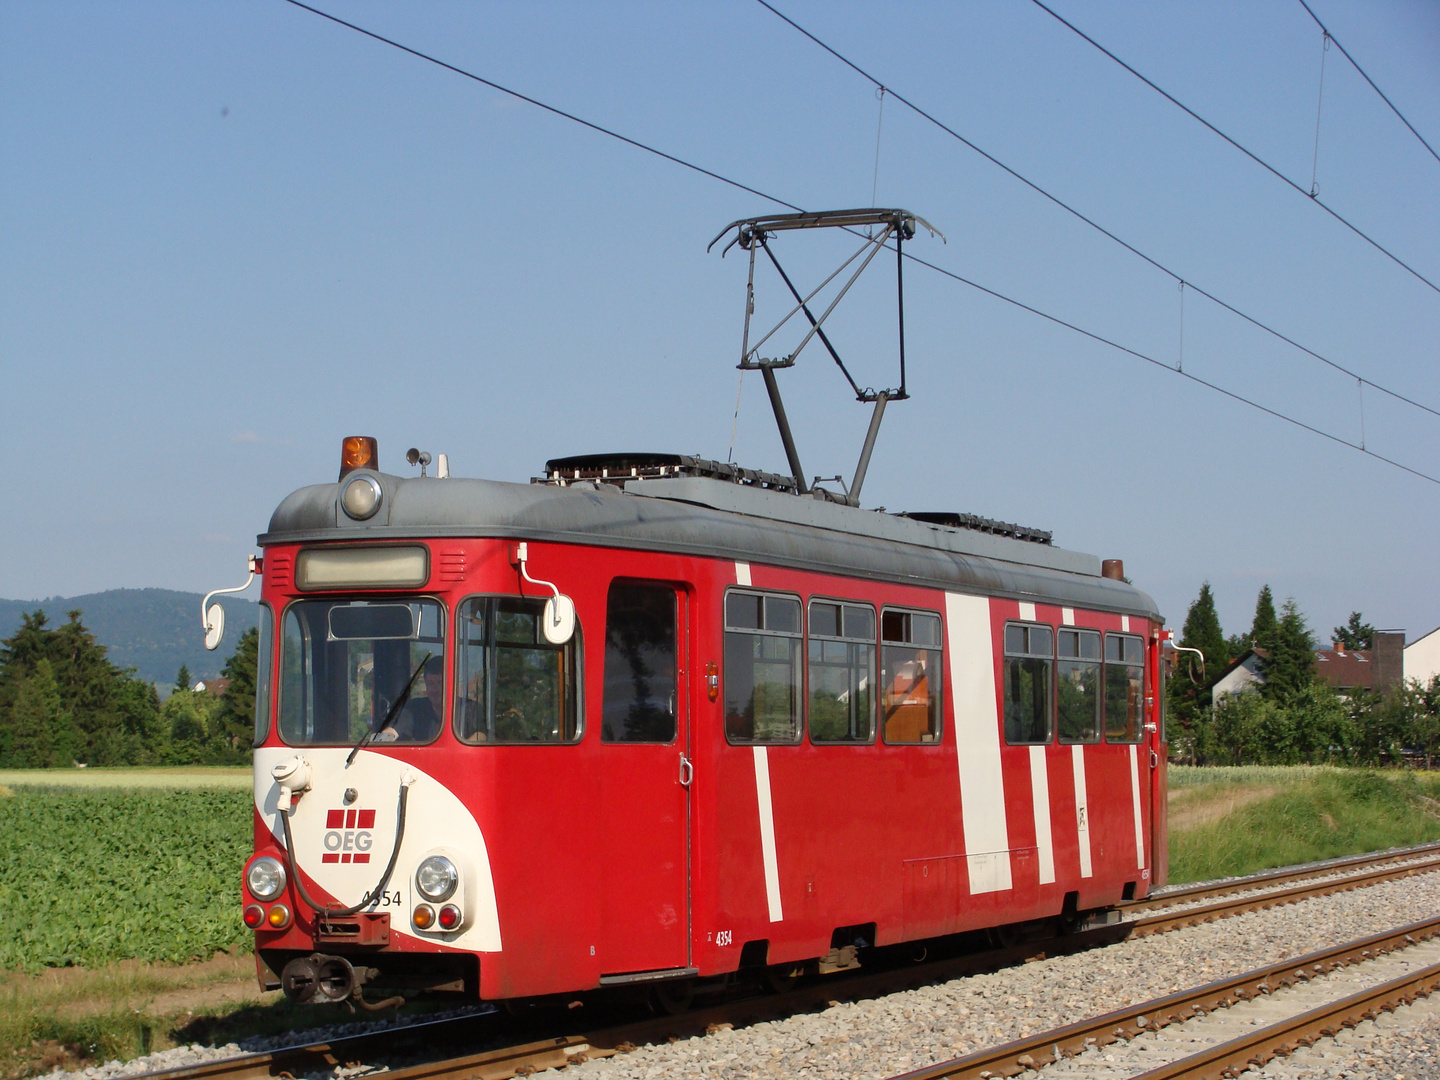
<point>1082,811</point>
<point>1027,611</point>
<point>977,742</point>
<point>1135,802</point>
<point>767,833</point>
<point>1040,801</point>
<point>1125,623</point>
<point>1067,616</point>
<point>742,573</point>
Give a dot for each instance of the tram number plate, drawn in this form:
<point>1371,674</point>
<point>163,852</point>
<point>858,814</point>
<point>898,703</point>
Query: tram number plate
<point>389,899</point>
<point>724,937</point>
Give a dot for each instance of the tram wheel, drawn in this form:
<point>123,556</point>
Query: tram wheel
<point>673,997</point>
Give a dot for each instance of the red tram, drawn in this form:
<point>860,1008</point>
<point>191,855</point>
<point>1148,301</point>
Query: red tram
<point>651,719</point>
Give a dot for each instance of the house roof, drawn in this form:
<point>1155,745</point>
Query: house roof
<point>1345,667</point>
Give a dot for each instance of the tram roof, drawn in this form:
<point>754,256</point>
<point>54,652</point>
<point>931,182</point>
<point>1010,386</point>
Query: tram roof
<point>707,517</point>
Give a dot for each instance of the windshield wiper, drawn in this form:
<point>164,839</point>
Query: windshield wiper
<point>395,708</point>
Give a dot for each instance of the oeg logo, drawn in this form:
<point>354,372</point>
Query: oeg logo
<point>348,837</point>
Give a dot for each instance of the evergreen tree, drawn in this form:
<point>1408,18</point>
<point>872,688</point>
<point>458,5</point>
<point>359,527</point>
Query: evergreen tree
<point>182,677</point>
<point>1355,634</point>
<point>1265,624</point>
<point>99,705</point>
<point>40,727</point>
<point>233,722</point>
<point>1289,665</point>
<point>1202,631</point>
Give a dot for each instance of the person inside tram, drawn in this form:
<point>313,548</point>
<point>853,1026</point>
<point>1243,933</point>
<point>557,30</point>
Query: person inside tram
<point>420,718</point>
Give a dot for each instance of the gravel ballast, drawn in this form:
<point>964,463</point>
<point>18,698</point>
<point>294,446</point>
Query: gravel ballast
<point>885,1036</point>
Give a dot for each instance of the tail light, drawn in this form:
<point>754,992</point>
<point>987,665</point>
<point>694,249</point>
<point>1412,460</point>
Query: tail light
<point>449,917</point>
<point>254,916</point>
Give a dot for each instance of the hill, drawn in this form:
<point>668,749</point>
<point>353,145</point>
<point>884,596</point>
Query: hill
<point>151,630</point>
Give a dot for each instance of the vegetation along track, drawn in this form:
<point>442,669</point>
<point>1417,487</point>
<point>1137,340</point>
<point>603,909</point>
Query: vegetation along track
<point>450,1036</point>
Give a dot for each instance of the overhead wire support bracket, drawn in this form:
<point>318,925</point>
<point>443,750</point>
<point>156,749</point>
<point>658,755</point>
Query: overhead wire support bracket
<point>755,233</point>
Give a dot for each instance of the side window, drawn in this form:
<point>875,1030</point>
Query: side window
<point>762,668</point>
<point>264,665</point>
<point>513,686</point>
<point>910,676</point>
<point>1078,686</point>
<point>842,672</point>
<point>640,664</point>
<point>1124,688</point>
<point>1029,661</point>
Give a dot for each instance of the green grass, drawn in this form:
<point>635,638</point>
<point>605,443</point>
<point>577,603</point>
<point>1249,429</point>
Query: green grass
<point>176,777</point>
<point>1319,813</point>
<point>94,875</point>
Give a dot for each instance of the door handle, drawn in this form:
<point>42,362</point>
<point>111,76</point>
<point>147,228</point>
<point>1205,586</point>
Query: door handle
<point>687,771</point>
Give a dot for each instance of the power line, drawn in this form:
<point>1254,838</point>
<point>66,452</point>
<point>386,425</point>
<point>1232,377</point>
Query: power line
<point>1251,155</point>
<point>1094,224</point>
<point>922,262</point>
<point>541,105</point>
<point>1325,30</point>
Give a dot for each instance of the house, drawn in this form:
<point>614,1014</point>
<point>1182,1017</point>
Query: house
<point>1382,668</point>
<point>1242,674</point>
<point>216,687</point>
<point>1422,658</point>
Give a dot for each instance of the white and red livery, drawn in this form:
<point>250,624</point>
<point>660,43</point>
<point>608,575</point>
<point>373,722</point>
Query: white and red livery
<point>657,720</point>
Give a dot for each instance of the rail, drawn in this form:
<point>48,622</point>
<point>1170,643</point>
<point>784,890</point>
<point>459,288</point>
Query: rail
<point>450,1034</point>
<point>1016,1057</point>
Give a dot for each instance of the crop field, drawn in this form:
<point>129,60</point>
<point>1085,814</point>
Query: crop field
<point>189,776</point>
<point>98,873</point>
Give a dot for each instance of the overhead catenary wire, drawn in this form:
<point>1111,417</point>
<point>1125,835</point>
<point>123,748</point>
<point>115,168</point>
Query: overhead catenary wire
<point>1331,37</point>
<point>637,144</point>
<point>1247,152</point>
<point>1175,276</point>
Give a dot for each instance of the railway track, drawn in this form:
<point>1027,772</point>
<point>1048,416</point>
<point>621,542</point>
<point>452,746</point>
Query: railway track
<point>1273,878</point>
<point>468,1047</point>
<point>1259,1046</point>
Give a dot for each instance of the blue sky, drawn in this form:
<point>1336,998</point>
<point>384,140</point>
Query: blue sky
<point>233,234</point>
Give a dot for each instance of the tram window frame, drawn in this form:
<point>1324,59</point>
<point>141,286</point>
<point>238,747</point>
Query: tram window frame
<point>1133,730</point>
<point>612,734</point>
<point>851,641</point>
<point>891,651</point>
<point>1077,663</point>
<point>741,643</point>
<point>302,696</point>
<point>266,646</point>
<point>1020,651</point>
<point>572,681</point>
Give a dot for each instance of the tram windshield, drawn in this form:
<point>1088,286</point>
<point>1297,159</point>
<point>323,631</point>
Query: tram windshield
<point>345,663</point>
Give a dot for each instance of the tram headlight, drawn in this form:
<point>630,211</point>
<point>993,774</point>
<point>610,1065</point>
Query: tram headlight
<point>361,497</point>
<point>437,878</point>
<point>266,878</point>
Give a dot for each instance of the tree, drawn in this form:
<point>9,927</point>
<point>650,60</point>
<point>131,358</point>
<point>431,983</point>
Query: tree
<point>1289,663</point>
<point>182,677</point>
<point>233,722</point>
<point>41,732</point>
<point>100,707</point>
<point>1265,624</point>
<point>1202,631</point>
<point>1355,634</point>
<point>185,720</point>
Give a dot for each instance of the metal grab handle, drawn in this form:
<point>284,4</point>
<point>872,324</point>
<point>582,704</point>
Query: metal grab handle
<point>687,771</point>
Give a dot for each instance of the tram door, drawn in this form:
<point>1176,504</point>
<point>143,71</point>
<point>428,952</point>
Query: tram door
<point>1160,750</point>
<point>645,780</point>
